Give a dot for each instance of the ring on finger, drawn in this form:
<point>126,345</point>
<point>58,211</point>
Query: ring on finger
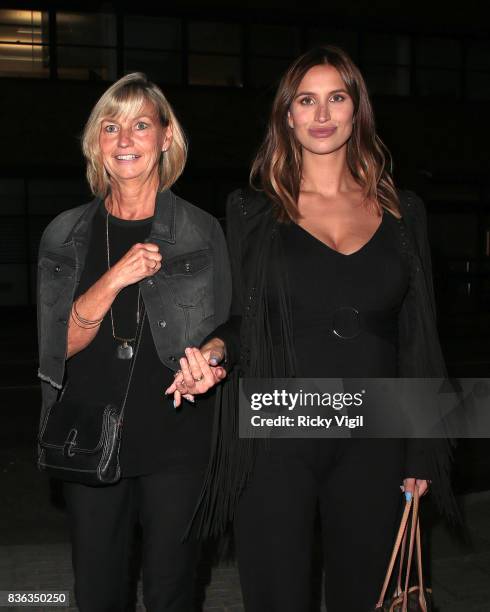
<point>199,378</point>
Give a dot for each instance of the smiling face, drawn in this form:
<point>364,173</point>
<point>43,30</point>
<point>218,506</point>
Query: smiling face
<point>131,146</point>
<point>322,111</point>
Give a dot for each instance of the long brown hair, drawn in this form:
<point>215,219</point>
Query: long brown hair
<point>277,167</point>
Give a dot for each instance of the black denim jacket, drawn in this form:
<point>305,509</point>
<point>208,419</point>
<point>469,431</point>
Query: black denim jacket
<point>188,297</point>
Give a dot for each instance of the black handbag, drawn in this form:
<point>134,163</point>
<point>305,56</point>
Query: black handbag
<point>417,598</point>
<point>80,442</point>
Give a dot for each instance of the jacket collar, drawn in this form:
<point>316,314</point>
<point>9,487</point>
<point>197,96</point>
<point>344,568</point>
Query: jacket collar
<point>163,226</point>
<point>80,230</point>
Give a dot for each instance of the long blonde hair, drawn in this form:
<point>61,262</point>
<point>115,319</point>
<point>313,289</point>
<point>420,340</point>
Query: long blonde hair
<point>277,167</point>
<point>126,97</point>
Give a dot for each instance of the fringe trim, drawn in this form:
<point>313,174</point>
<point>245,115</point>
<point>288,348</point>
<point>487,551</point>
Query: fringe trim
<point>49,380</point>
<point>228,470</point>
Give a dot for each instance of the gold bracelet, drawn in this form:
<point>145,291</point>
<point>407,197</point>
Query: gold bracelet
<point>79,325</point>
<point>81,321</point>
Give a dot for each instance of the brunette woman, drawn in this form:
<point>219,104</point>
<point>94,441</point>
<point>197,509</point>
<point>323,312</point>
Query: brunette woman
<point>332,278</point>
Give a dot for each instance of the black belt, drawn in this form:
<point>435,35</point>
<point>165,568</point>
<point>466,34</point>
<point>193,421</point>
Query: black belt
<point>348,322</point>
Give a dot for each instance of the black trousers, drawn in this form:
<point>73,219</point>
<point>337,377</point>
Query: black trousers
<point>102,523</point>
<point>353,485</point>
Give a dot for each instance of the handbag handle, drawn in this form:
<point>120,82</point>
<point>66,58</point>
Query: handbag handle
<point>400,541</point>
<point>394,553</point>
<point>415,510</point>
<point>415,539</point>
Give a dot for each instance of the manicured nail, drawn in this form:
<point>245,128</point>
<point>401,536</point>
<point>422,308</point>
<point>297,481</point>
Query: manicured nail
<point>408,495</point>
<point>213,361</point>
<point>174,403</point>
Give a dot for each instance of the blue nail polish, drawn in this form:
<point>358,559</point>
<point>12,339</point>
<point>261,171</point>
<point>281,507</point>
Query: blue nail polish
<point>408,495</point>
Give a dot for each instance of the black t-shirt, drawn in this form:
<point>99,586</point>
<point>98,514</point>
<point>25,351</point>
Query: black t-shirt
<point>155,434</point>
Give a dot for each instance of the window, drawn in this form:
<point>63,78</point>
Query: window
<point>24,40</point>
<point>214,54</point>
<point>478,70</point>
<point>438,66</point>
<point>176,50</point>
<point>271,50</point>
<point>26,208</point>
<point>386,64</point>
<point>86,46</point>
<point>153,45</point>
<point>347,40</point>
<point>13,243</point>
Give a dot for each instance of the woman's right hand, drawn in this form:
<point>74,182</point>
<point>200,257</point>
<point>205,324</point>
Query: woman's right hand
<point>140,261</point>
<point>200,371</point>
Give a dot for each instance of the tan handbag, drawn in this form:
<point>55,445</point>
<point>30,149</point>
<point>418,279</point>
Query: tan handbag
<point>409,599</point>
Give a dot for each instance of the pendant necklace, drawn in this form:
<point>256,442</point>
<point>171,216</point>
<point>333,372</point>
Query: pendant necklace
<point>124,348</point>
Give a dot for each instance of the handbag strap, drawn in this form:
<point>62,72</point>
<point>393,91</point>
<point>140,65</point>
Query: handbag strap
<point>399,589</point>
<point>139,333</point>
<point>396,548</point>
<point>422,600</point>
<point>415,514</point>
<point>415,538</point>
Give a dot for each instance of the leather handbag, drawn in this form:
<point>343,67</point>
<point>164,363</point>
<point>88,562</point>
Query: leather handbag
<point>415,598</point>
<point>80,442</point>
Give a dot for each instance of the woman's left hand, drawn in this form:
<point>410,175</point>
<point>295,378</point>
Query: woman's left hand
<point>195,377</point>
<point>409,485</point>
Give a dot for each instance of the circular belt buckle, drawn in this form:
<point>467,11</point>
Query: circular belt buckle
<point>346,323</point>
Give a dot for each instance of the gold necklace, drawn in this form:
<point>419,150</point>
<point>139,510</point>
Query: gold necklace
<point>124,349</point>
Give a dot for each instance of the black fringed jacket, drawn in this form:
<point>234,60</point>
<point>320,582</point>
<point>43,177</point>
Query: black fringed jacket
<point>254,246</point>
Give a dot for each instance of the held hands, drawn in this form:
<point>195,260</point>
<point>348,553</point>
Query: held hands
<point>140,261</point>
<point>199,371</point>
<point>409,485</point>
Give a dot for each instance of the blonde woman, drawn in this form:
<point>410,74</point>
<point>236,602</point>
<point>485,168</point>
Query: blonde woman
<point>331,278</point>
<point>137,255</point>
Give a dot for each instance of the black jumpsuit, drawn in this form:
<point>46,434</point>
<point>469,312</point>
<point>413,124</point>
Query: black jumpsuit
<point>352,483</point>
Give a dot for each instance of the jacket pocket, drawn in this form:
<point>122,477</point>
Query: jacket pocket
<point>190,278</point>
<point>187,265</point>
<point>56,277</point>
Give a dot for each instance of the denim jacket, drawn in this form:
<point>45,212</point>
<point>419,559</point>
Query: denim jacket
<point>185,300</point>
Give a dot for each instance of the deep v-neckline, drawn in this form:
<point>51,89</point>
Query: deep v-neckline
<point>359,250</point>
